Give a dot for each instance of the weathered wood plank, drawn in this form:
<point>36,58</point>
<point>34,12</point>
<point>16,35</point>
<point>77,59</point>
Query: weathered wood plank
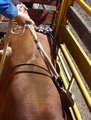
<point>47,2</point>
<point>80,26</point>
<point>3,26</point>
<point>79,56</point>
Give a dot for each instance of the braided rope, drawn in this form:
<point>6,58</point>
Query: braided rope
<point>55,17</point>
<point>42,52</point>
<point>5,46</point>
<point>15,33</point>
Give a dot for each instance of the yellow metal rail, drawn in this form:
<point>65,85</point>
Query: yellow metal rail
<point>68,46</point>
<point>85,7</point>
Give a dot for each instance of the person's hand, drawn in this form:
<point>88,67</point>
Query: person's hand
<point>21,7</point>
<point>22,16</point>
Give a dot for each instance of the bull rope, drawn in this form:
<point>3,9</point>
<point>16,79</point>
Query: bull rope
<point>4,51</point>
<point>22,30</point>
<point>42,52</point>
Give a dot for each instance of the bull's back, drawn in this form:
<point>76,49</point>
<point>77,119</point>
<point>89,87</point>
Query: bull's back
<point>28,91</point>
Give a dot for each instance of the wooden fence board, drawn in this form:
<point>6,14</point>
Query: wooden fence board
<point>80,26</point>
<point>47,2</point>
<point>79,56</point>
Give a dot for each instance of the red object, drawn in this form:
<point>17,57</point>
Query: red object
<point>41,16</point>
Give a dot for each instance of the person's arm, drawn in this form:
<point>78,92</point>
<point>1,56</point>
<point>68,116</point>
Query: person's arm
<point>8,9</point>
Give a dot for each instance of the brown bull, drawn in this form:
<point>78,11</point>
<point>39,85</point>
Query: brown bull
<point>26,88</point>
